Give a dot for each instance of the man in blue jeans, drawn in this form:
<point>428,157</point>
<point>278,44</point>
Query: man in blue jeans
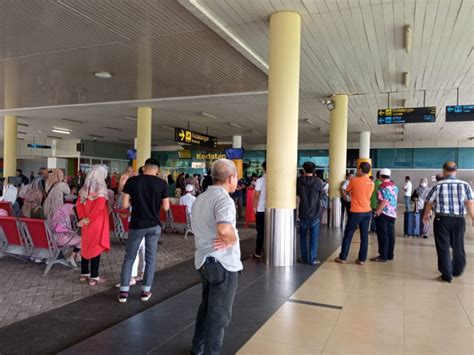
<point>360,188</point>
<point>309,189</point>
<point>147,193</point>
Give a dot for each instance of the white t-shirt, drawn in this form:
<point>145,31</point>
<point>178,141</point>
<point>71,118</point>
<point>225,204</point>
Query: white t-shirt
<point>344,186</point>
<point>187,200</point>
<point>261,186</point>
<point>408,188</point>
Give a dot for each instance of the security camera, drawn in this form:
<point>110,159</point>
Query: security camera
<point>328,103</point>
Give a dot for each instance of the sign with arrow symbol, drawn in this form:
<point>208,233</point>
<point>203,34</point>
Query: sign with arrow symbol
<point>186,136</point>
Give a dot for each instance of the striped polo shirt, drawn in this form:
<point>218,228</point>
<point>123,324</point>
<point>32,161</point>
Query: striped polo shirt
<point>450,196</point>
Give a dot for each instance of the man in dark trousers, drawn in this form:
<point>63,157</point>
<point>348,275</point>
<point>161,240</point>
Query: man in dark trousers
<point>217,257</point>
<point>452,196</point>
<point>309,189</point>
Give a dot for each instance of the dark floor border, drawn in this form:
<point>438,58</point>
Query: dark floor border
<point>60,328</point>
<point>308,303</point>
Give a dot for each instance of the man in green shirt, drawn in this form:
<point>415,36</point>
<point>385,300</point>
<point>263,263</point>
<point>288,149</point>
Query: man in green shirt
<point>373,201</point>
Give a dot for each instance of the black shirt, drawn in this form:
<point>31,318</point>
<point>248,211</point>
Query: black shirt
<point>146,193</point>
<point>310,192</point>
<point>206,182</point>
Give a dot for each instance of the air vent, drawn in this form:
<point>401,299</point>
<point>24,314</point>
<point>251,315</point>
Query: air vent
<point>72,121</point>
<point>114,129</point>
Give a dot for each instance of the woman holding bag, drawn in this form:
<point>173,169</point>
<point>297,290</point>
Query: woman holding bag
<point>93,211</point>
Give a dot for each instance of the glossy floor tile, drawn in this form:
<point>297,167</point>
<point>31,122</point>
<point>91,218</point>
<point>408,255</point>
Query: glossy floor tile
<point>396,307</point>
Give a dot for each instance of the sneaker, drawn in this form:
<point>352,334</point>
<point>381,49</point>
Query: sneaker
<point>358,262</point>
<point>122,297</point>
<point>146,295</point>
<point>316,262</point>
<point>339,261</point>
<point>442,279</point>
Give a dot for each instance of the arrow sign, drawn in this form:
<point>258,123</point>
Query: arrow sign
<point>181,135</point>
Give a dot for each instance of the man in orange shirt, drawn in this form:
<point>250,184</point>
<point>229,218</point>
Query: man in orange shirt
<point>360,188</point>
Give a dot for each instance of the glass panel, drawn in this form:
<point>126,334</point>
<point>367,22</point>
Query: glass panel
<point>466,158</point>
<point>395,158</point>
<point>433,158</point>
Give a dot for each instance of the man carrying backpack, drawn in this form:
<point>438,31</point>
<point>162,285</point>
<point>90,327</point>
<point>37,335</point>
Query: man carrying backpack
<point>309,189</point>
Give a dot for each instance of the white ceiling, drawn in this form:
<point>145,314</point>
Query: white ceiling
<point>348,46</point>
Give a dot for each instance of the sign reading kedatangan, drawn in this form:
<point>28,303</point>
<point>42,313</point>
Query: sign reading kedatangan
<point>404,115</point>
<point>182,135</point>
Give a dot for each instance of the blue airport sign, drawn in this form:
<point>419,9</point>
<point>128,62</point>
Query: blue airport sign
<point>404,115</point>
<point>459,113</point>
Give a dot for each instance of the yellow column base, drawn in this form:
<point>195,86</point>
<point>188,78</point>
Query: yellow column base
<point>365,160</point>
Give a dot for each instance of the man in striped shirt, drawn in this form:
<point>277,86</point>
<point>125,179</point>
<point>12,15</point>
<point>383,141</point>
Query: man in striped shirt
<point>452,196</point>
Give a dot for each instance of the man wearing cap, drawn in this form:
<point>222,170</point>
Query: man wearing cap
<point>452,196</point>
<point>385,217</point>
<point>188,199</point>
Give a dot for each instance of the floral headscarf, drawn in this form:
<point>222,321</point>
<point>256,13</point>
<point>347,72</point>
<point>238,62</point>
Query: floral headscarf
<point>33,197</point>
<point>94,186</point>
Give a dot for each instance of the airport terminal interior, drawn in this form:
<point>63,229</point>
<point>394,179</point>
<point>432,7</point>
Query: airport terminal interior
<point>290,91</point>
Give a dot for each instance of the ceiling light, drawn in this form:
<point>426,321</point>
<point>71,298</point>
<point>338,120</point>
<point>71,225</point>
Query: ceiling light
<point>209,115</point>
<point>167,127</point>
<point>22,125</point>
<point>114,129</point>
<point>62,129</point>
<point>308,121</point>
<point>255,132</point>
<point>130,117</point>
<point>407,42</point>
<point>236,125</point>
<point>406,79</point>
<point>95,136</point>
<point>54,137</point>
<point>328,103</point>
<point>72,121</point>
<point>59,131</point>
<point>19,132</point>
<point>102,75</point>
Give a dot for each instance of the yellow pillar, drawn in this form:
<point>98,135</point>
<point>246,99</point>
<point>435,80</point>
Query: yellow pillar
<point>337,153</point>
<point>143,135</point>
<point>9,146</point>
<point>282,137</point>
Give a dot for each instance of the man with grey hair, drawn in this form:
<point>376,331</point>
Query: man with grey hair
<point>217,257</point>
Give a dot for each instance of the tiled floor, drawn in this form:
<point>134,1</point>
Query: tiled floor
<point>391,308</point>
<point>25,293</point>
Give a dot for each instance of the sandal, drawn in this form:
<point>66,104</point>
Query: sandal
<point>96,280</point>
<point>84,277</point>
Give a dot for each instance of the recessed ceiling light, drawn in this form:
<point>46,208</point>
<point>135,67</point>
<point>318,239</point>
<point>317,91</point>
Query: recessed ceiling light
<point>209,115</point>
<point>102,75</point>
<point>54,137</point>
<point>62,129</point>
<point>59,131</point>
<point>255,132</point>
<point>235,125</point>
<point>130,117</point>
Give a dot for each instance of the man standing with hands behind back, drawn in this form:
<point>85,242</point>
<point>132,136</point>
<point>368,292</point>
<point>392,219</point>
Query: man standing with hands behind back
<point>452,196</point>
<point>217,257</point>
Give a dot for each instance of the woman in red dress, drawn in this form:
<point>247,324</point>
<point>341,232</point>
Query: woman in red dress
<point>93,211</point>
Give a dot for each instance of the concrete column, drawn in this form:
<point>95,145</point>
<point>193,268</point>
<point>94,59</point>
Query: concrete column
<point>10,146</point>
<point>337,154</point>
<point>282,138</point>
<point>144,127</point>
<point>364,149</point>
<point>239,163</point>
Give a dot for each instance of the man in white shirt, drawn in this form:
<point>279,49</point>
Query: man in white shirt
<point>408,190</point>
<point>259,202</point>
<point>188,199</point>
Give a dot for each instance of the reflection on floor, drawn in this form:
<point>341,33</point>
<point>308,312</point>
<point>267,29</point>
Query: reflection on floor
<point>379,308</point>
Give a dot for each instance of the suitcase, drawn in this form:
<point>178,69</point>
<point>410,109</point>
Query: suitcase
<point>412,224</point>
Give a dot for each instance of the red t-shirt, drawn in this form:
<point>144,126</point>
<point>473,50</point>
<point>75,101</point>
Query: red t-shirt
<point>361,189</point>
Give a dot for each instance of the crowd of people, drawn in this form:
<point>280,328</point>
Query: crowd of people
<point>214,203</point>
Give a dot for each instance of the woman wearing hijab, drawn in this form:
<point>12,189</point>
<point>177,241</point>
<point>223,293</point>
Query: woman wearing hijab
<point>93,211</point>
<point>419,197</point>
<point>61,227</point>
<point>56,189</point>
<point>32,201</point>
